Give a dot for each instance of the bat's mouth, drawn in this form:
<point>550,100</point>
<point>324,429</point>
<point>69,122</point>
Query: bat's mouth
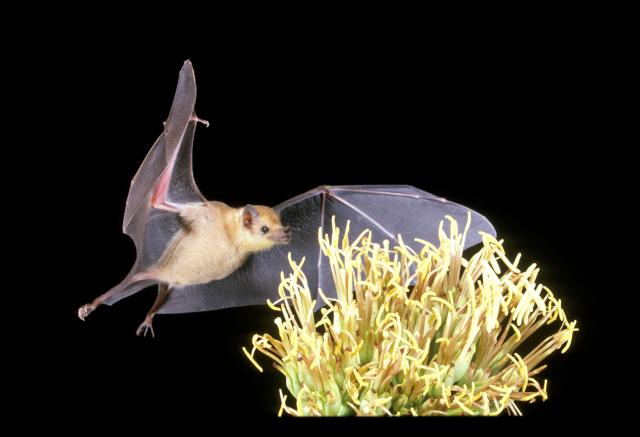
<point>282,237</point>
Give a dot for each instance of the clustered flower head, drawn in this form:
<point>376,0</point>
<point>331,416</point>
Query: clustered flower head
<point>428,333</point>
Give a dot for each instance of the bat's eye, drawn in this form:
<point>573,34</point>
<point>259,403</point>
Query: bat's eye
<point>264,230</point>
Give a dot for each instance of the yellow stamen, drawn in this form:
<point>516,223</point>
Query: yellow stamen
<point>517,331</point>
<point>255,363</point>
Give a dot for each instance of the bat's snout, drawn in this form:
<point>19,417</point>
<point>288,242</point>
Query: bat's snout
<point>283,236</point>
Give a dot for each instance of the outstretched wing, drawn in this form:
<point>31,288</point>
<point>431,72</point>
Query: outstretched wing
<point>162,184</point>
<point>386,210</point>
<point>165,178</point>
<point>389,210</point>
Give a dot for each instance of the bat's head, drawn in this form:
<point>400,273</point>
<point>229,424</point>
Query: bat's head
<point>262,228</point>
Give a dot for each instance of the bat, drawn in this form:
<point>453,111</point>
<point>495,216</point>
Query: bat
<point>204,255</point>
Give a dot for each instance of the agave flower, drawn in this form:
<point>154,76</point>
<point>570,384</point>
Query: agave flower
<point>427,333</point>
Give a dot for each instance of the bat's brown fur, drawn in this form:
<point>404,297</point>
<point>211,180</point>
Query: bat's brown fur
<point>218,240</point>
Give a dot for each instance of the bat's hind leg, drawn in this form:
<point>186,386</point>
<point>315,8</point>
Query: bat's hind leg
<point>128,286</point>
<point>146,326</point>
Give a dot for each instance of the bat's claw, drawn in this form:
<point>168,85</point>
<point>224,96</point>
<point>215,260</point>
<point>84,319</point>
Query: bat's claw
<point>85,310</point>
<point>195,118</point>
<point>144,328</point>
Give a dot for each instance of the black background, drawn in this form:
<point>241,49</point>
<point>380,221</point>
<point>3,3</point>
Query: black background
<point>502,123</point>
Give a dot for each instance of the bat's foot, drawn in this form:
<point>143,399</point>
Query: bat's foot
<point>144,328</point>
<point>85,310</point>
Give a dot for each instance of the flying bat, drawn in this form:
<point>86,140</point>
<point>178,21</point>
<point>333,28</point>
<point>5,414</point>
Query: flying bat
<point>205,255</point>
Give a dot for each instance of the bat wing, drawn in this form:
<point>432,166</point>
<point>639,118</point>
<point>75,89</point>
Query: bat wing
<point>386,210</point>
<point>164,182</point>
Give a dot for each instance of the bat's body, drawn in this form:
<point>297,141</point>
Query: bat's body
<point>206,251</point>
<point>214,241</point>
<point>206,255</point>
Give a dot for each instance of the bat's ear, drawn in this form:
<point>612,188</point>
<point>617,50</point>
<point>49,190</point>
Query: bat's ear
<point>249,215</point>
